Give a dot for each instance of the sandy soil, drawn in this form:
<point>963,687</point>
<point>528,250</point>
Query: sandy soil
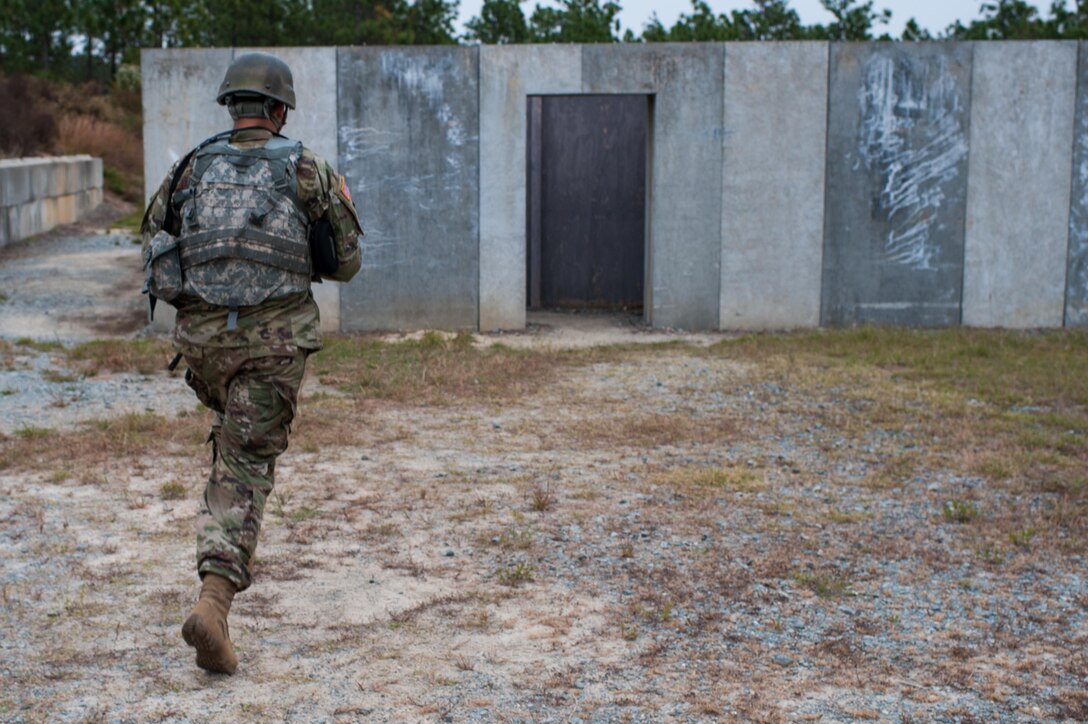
<point>553,557</point>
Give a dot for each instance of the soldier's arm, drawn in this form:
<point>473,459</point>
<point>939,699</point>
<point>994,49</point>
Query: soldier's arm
<point>156,212</point>
<point>327,197</point>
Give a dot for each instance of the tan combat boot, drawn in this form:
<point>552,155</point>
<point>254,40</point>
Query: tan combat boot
<point>206,627</point>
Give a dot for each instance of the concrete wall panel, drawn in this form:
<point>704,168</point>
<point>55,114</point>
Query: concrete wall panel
<point>508,75</point>
<point>685,182</point>
<point>179,105</point>
<point>409,129</point>
<point>772,189</point>
<point>1076,285</point>
<point>1019,184</point>
<point>898,127</point>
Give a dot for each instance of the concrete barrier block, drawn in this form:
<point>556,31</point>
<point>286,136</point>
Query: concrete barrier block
<point>897,183</point>
<point>774,153</point>
<point>687,82</point>
<point>1019,183</point>
<point>508,76</point>
<point>41,180</point>
<point>96,174</point>
<point>59,176</point>
<point>14,183</point>
<point>409,136</point>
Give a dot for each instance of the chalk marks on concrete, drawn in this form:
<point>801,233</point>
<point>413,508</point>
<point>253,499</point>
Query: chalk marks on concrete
<point>897,184</point>
<point>912,139</point>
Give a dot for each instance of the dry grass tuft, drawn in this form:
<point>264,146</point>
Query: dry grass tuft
<point>144,356</point>
<point>432,370</point>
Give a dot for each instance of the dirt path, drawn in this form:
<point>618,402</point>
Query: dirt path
<point>660,536</point>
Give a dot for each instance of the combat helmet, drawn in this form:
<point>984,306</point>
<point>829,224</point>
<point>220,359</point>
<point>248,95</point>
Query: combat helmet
<point>259,74</point>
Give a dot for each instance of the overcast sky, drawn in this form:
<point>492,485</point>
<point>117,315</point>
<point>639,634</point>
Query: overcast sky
<point>934,15</point>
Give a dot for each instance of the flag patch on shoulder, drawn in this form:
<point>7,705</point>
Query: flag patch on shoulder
<point>344,189</point>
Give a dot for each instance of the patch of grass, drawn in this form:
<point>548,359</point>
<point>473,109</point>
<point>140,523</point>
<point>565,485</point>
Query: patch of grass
<point>3,297</point>
<point>434,369</point>
<point>99,441</point>
<point>541,499</point>
<point>1022,537</point>
<point>57,376</point>
<point>515,575</point>
<point>33,432</point>
<point>172,490</point>
<point>732,478</point>
<point>824,585</point>
<point>849,516</point>
<point>960,511</point>
<point>143,356</point>
<point>39,345</point>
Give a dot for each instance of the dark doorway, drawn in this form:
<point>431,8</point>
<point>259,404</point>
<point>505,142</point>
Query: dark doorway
<point>587,201</point>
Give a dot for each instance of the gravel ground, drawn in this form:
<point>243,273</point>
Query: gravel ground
<point>665,536</point>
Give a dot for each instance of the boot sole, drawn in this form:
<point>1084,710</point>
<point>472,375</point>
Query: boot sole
<point>197,635</point>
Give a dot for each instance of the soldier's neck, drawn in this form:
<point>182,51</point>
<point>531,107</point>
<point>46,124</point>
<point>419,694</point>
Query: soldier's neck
<point>264,123</point>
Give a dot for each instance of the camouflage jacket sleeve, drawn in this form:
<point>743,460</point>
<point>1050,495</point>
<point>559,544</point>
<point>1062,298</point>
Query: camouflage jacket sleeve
<point>156,211</point>
<point>325,195</point>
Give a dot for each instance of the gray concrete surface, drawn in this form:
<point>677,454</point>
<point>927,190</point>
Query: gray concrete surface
<point>901,184</point>
<point>687,82</point>
<point>773,139</point>
<point>409,130</point>
<point>1076,280</point>
<point>508,76</point>
<point>1018,188</point>
<point>37,194</point>
<point>897,165</point>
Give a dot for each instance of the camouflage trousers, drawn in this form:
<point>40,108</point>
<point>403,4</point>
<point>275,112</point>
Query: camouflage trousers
<point>254,400</point>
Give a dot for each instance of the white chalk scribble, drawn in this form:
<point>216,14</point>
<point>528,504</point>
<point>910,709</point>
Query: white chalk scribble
<point>911,136</point>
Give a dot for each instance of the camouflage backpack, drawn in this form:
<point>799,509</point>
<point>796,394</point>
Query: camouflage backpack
<point>243,236</point>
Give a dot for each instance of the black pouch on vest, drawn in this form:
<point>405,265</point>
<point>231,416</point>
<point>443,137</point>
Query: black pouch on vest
<point>323,248</point>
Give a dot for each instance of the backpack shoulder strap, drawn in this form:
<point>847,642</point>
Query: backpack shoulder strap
<point>169,218</point>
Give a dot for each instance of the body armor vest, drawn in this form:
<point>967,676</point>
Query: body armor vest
<point>243,233</point>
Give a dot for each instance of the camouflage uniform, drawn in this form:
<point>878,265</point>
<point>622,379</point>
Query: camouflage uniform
<point>250,376</point>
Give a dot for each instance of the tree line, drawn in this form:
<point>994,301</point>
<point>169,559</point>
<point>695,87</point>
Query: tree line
<point>79,40</point>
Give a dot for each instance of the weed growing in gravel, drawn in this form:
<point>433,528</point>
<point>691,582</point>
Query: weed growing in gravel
<point>542,499</point>
<point>960,511</point>
<point>1022,538</point>
<point>172,490</point>
<point>824,585</point>
<point>515,575</point>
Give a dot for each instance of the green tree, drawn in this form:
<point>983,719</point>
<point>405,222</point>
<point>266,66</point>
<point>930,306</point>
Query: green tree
<point>499,21</point>
<point>575,21</point>
<point>1070,24</point>
<point>430,22</point>
<point>913,32</point>
<point>770,20</point>
<point>1006,20</point>
<point>854,20</point>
